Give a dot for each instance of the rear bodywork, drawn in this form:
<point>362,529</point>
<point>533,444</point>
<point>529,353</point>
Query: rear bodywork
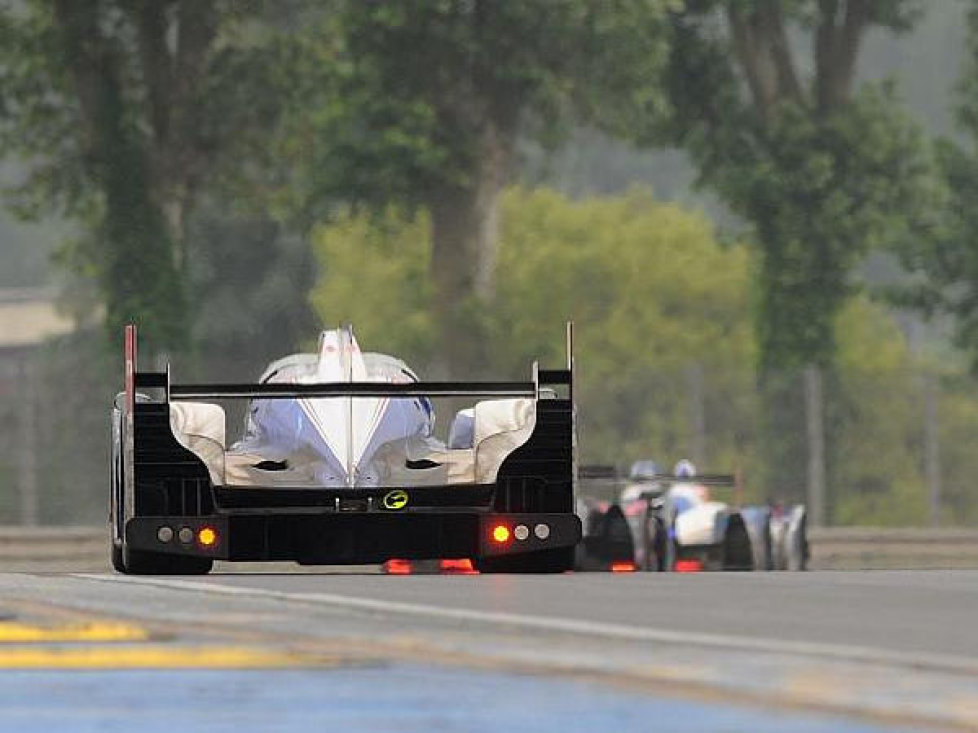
<point>648,526</point>
<point>170,513</point>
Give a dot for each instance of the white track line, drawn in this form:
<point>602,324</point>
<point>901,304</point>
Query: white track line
<point>837,652</point>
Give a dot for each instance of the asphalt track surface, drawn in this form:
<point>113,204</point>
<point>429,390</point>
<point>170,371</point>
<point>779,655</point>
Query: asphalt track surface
<point>892,649</point>
<point>922,613</point>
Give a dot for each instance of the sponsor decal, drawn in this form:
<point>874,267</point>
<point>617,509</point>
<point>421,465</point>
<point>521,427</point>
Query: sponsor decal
<point>396,499</point>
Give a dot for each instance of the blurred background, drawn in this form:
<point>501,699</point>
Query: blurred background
<point>759,215</point>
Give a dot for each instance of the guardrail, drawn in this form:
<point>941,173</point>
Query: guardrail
<point>53,549</point>
<point>77,549</point>
<point>870,548</point>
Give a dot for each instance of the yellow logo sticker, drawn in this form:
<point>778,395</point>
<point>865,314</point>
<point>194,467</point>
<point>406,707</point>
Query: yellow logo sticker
<point>396,499</point>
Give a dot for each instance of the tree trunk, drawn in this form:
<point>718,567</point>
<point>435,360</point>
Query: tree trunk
<point>28,454</point>
<point>837,43</point>
<point>134,256</point>
<point>465,245</point>
<point>803,286</point>
<point>932,448</point>
<point>815,439</point>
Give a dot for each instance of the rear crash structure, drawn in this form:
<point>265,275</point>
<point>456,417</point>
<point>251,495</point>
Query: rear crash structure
<point>338,465</point>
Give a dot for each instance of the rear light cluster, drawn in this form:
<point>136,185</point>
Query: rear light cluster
<point>462,566</point>
<point>205,537</point>
<point>446,566</point>
<point>398,567</point>
<point>501,533</point>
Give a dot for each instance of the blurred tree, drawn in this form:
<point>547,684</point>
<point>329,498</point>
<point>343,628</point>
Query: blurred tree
<point>823,170</point>
<point>374,273</point>
<point>874,413</point>
<point>646,283</point>
<point>947,263</point>
<point>651,292</point>
<point>434,95</point>
<point>252,276</point>
<point>957,413</point>
<point>122,108</point>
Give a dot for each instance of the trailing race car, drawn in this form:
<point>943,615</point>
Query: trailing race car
<point>338,464</point>
<point>669,522</point>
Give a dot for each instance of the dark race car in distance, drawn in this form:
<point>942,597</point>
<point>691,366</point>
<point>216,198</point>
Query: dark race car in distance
<point>657,521</point>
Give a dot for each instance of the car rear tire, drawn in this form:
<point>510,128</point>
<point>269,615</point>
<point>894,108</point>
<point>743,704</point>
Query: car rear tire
<point>656,544</point>
<point>736,550</point>
<point>118,564</point>
<point>799,554</point>
<point>542,562</point>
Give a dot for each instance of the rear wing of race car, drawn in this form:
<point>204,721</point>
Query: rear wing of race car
<point>606,480</point>
<point>541,379</point>
<point>601,472</point>
<point>704,479</point>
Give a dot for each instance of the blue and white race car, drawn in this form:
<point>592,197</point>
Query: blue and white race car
<point>661,522</point>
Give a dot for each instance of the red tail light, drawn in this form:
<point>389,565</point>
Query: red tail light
<point>623,567</point>
<point>398,567</point>
<point>689,566</point>
<point>457,567</point>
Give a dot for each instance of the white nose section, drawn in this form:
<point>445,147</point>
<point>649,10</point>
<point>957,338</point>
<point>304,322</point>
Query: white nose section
<point>354,428</point>
<point>342,433</point>
<point>341,421</point>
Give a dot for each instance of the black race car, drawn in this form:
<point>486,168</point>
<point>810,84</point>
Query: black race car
<point>501,494</point>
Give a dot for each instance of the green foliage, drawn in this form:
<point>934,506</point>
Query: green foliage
<point>652,293</point>
<point>418,84</point>
<point>823,194</point>
<point>945,257</point>
<point>251,276</point>
<point>823,172</point>
<point>121,112</point>
<point>957,413</point>
<point>876,419</point>
<point>430,98</point>
<point>92,167</point>
<point>36,124</point>
<point>646,283</point>
<point>374,274</point>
